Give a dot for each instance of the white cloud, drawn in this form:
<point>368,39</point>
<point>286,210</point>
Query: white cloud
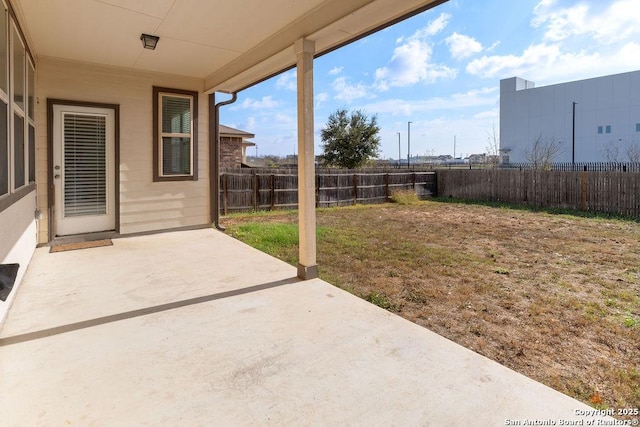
<point>619,21</point>
<point>489,114</point>
<point>462,46</point>
<point>321,98</point>
<point>250,125</point>
<point>435,26</point>
<point>562,23</point>
<point>335,70</point>
<point>493,46</point>
<point>284,118</point>
<point>485,97</point>
<point>548,63</point>
<point>347,92</point>
<point>287,80</point>
<point>255,104</point>
<point>582,41</point>
<point>411,60</point>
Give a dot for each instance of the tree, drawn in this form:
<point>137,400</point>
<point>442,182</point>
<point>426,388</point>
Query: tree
<point>542,152</point>
<point>612,152</point>
<point>633,152</point>
<point>349,141</point>
<point>616,152</point>
<point>493,147</point>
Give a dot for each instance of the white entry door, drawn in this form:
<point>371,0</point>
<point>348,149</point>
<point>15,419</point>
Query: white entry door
<point>83,169</point>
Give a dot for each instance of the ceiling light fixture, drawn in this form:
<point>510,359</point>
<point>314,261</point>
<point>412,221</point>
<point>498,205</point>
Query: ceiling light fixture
<point>149,41</point>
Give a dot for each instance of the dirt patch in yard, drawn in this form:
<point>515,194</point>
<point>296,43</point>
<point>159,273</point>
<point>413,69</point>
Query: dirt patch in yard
<point>554,297</point>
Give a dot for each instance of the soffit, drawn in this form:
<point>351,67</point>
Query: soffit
<point>229,44</point>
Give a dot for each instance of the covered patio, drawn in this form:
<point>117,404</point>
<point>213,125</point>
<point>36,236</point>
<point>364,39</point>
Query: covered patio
<point>196,328</point>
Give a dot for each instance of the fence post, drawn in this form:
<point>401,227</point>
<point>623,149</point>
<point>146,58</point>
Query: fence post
<point>255,191</point>
<point>224,193</point>
<point>584,189</point>
<point>386,187</point>
<point>273,191</point>
<point>355,189</point>
<point>318,181</point>
<point>413,180</point>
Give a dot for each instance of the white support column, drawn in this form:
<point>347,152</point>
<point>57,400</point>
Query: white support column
<point>307,267</point>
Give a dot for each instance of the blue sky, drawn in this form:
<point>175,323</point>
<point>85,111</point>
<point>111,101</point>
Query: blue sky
<point>441,70</point>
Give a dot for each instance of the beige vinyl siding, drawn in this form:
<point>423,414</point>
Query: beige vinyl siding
<point>17,241</point>
<point>144,205</point>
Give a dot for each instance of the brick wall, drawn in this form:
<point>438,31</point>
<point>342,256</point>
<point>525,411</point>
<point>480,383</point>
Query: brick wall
<point>230,152</point>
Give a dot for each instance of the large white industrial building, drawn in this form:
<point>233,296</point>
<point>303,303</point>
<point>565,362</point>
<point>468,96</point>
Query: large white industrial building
<point>593,120</point>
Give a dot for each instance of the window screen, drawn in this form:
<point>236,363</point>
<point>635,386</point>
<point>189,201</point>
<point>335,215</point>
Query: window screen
<point>3,50</point>
<point>18,70</point>
<point>32,153</point>
<point>18,151</point>
<point>176,135</point>
<point>4,150</point>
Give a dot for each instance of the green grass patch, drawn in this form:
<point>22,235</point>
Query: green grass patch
<point>630,322</point>
<point>381,300</point>
<point>277,239</point>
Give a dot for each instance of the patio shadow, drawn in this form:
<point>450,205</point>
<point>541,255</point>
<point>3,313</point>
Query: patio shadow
<point>141,312</point>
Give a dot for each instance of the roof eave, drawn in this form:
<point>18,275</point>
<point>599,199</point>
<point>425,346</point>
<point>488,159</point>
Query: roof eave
<point>277,55</point>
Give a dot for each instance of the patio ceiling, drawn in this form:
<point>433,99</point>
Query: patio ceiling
<point>229,44</point>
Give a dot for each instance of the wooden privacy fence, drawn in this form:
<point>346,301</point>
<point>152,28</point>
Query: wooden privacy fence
<point>247,189</point>
<point>582,166</point>
<point>610,192</point>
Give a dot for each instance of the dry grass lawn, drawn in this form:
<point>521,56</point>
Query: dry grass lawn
<point>554,297</point>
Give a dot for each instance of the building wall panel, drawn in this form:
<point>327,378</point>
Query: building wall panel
<point>132,91</point>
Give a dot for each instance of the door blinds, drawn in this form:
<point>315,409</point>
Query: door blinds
<point>84,164</point>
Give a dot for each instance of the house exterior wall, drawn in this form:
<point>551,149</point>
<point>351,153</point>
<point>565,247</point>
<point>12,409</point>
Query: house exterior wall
<point>527,113</point>
<point>230,152</point>
<point>144,205</point>
<point>18,239</point>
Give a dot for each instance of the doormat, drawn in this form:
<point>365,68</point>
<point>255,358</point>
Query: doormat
<point>80,245</point>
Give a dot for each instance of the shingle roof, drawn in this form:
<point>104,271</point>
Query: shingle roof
<point>229,131</point>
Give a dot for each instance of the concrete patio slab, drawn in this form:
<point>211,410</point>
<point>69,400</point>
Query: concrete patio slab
<point>194,328</point>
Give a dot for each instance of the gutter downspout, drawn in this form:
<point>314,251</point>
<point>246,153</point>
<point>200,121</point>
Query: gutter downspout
<point>214,156</point>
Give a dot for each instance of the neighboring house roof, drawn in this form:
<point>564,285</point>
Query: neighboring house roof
<point>202,38</point>
<point>231,132</point>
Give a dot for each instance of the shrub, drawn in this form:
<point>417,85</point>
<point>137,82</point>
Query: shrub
<point>405,197</point>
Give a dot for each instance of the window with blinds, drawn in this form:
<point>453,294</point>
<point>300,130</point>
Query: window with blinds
<point>17,112</point>
<point>85,168</point>
<point>175,134</point>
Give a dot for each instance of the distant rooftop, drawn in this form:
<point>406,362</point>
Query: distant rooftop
<point>229,131</point>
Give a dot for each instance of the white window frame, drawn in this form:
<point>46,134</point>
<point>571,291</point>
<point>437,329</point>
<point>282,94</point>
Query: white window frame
<point>30,121</point>
<point>13,35</point>
<point>162,134</point>
<point>158,174</point>
<point>5,97</point>
<point>14,109</point>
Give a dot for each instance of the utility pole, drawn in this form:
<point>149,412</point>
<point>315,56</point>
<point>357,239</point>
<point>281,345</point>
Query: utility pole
<point>454,147</point>
<point>573,138</point>
<point>399,150</point>
<point>408,143</point>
